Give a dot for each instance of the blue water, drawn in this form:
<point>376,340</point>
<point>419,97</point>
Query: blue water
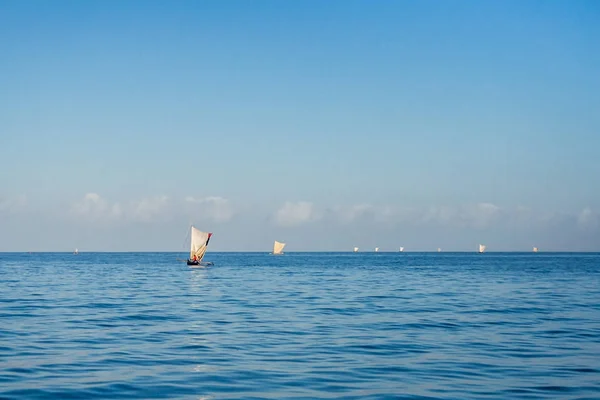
<point>300,326</point>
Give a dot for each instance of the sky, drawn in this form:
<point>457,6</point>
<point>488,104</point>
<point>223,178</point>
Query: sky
<point>323,124</point>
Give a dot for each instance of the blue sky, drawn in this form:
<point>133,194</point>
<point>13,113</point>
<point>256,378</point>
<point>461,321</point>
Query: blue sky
<point>324,124</point>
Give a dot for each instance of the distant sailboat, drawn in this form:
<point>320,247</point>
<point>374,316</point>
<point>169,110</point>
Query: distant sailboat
<point>199,243</point>
<point>481,248</point>
<point>376,249</point>
<point>401,249</point>
<point>278,248</point>
<point>535,249</point>
<point>356,249</point>
<point>76,251</point>
<point>439,249</point>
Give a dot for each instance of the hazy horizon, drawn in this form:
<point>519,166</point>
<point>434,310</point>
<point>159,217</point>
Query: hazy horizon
<point>326,125</point>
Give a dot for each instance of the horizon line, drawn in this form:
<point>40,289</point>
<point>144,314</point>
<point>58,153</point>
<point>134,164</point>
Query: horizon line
<point>305,251</point>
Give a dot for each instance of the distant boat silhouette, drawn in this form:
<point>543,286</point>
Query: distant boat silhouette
<point>401,249</point>
<point>356,249</point>
<point>278,248</point>
<point>481,248</point>
<point>376,249</point>
<point>535,249</point>
<point>76,251</point>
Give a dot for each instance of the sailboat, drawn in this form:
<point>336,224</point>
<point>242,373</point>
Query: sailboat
<point>376,249</point>
<point>278,248</point>
<point>76,251</point>
<point>481,248</point>
<point>401,249</point>
<point>439,249</point>
<point>535,249</point>
<point>356,249</point>
<point>199,243</point>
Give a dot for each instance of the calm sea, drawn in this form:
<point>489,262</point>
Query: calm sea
<point>300,326</point>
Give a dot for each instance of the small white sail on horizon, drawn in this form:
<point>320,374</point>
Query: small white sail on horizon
<point>401,249</point>
<point>535,249</point>
<point>76,251</point>
<point>439,249</point>
<point>376,249</point>
<point>278,247</point>
<point>356,249</point>
<point>481,248</point>
<point>199,243</point>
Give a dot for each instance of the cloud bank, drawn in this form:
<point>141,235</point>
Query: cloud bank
<point>215,208</point>
<point>307,225</point>
<point>14,204</point>
<point>93,207</point>
<point>296,213</point>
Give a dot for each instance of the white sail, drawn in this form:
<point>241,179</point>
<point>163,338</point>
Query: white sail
<point>439,249</point>
<point>355,249</point>
<point>278,247</point>
<point>481,248</point>
<point>76,251</point>
<point>199,243</point>
<point>376,249</point>
<point>401,249</point>
<point>535,249</point>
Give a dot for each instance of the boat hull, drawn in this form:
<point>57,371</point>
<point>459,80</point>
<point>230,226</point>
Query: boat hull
<point>199,264</point>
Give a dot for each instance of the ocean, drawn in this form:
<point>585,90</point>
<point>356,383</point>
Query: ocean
<point>300,326</point>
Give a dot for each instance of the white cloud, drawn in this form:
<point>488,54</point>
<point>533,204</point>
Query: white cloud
<point>351,213</point>
<point>292,214</point>
<point>94,207</point>
<point>148,209</point>
<point>368,212</point>
<point>216,208</point>
<point>588,219</point>
<point>12,204</point>
<point>479,215</point>
<point>438,214</point>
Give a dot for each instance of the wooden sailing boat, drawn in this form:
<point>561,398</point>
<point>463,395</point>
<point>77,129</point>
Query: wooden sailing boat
<point>199,243</point>
<point>481,248</point>
<point>278,248</point>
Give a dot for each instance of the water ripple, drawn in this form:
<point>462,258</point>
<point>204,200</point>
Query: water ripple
<point>300,326</point>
